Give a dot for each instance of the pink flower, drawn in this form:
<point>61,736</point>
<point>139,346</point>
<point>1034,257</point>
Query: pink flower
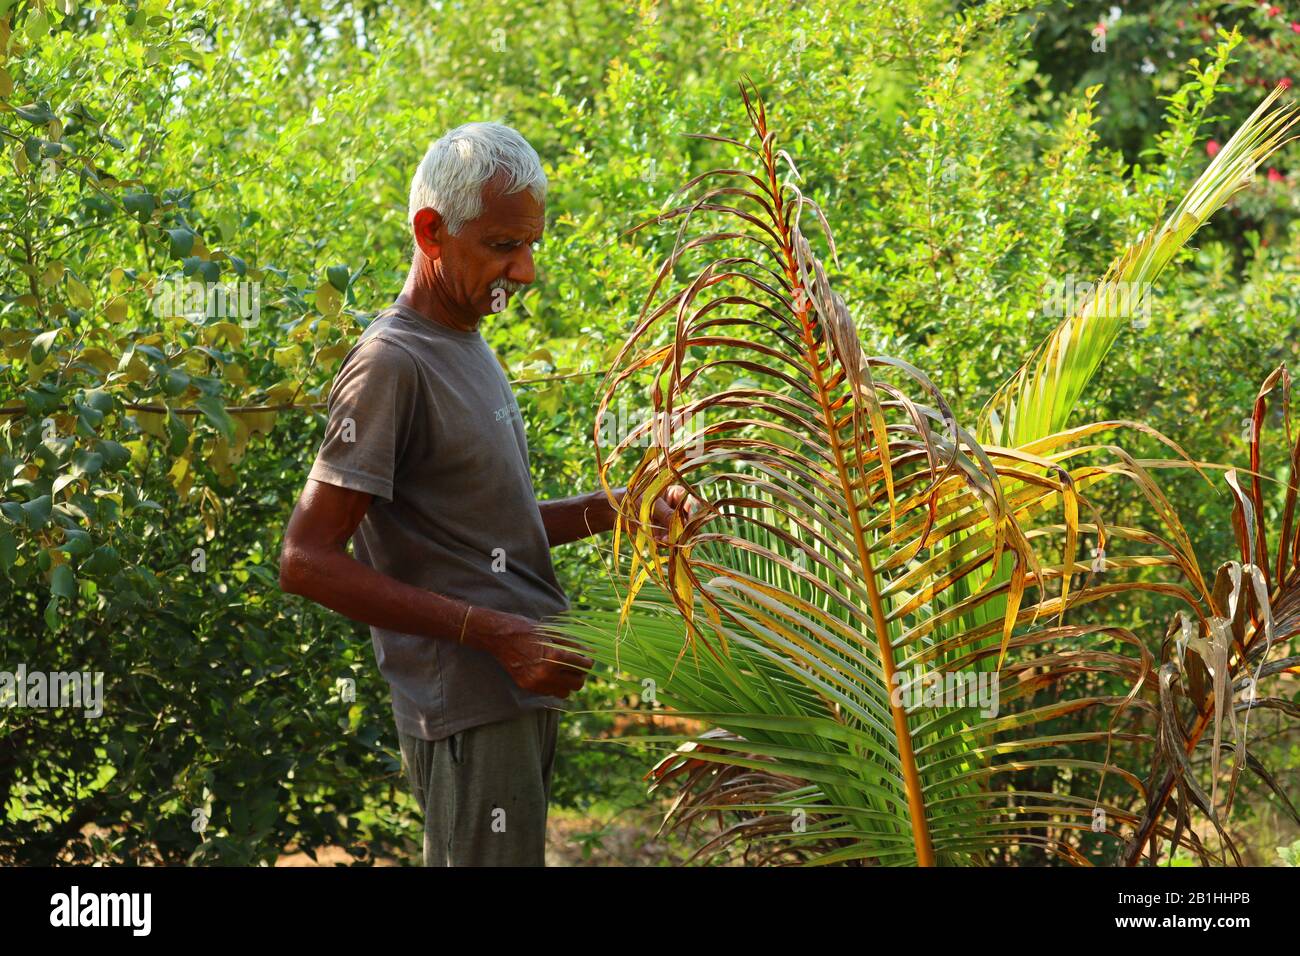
<point>1274,11</point>
<point>1295,27</point>
<point>1285,82</point>
<point>1212,149</point>
<point>1274,176</point>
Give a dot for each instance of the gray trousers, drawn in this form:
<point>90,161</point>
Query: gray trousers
<point>483,791</point>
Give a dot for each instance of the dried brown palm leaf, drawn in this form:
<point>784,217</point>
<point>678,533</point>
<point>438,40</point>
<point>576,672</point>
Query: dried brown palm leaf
<point>1215,668</point>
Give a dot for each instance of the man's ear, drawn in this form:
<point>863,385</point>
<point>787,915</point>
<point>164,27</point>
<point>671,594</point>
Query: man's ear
<point>427,225</point>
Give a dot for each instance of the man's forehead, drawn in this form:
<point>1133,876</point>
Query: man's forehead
<point>515,211</point>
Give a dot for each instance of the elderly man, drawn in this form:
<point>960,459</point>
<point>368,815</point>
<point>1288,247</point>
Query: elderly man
<point>425,462</point>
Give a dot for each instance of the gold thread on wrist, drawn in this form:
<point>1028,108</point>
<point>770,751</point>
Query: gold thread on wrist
<point>464,623</point>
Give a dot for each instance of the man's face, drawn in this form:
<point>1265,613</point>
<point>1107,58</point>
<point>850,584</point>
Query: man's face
<point>492,256</point>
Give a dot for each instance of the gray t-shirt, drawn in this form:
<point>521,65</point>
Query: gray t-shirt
<point>422,417</point>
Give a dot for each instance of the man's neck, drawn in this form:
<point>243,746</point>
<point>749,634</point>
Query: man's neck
<point>430,301</point>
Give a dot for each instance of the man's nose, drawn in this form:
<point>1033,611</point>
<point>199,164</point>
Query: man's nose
<point>521,266</point>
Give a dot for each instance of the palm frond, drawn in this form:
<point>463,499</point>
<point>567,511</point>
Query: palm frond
<point>833,566</point>
<point>1039,398</point>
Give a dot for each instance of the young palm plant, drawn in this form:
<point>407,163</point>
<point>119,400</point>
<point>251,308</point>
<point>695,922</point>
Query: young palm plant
<point>1252,610</point>
<point>1037,401</point>
<point>825,602</point>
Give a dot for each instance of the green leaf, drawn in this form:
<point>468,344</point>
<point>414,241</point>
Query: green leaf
<point>178,436</point>
<point>338,276</point>
<point>215,412</point>
<point>102,562</point>
<point>76,542</point>
<point>114,455</point>
<point>36,25</point>
<point>174,382</point>
<point>140,205</point>
<point>92,417</point>
<point>63,582</point>
<point>99,400</point>
<point>41,345</point>
<point>182,241</point>
<point>86,462</point>
<point>38,114</point>
<point>37,512</point>
<point>8,550</point>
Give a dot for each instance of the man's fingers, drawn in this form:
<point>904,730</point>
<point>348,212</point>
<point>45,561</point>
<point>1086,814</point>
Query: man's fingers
<point>678,495</point>
<point>559,655</point>
<point>562,682</point>
<point>675,498</point>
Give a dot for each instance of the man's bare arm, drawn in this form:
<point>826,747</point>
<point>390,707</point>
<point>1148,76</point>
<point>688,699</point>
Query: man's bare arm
<point>314,563</point>
<point>571,519</point>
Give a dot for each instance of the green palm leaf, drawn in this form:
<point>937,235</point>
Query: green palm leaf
<point>1039,398</point>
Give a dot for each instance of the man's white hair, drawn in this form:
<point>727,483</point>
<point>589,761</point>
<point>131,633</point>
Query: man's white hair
<point>451,176</point>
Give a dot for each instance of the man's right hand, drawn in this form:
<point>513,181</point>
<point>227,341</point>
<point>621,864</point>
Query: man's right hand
<point>314,563</point>
<point>527,655</point>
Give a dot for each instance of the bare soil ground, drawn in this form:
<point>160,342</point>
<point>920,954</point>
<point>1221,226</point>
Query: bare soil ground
<point>572,840</point>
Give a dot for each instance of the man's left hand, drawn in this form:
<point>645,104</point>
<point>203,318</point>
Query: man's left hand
<point>670,500</point>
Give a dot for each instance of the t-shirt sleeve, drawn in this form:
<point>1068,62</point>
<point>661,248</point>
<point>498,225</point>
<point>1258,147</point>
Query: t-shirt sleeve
<point>370,411</point>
